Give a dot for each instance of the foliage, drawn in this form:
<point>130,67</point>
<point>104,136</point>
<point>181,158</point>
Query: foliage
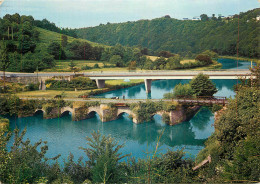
<point>45,24</point>
<point>32,87</point>
<point>166,118</point>
<point>234,147</point>
<point>12,105</point>
<point>24,163</point>
<point>216,108</point>
<point>104,158</point>
<point>182,90</point>
<point>182,37</point>
<point>145,110</point>
<point>77,82</point>
<point>202,86</point>
<point>205,59</point>
<point>55,49</point>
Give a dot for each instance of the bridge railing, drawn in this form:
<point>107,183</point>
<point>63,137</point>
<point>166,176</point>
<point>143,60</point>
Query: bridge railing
<point>201,100</point>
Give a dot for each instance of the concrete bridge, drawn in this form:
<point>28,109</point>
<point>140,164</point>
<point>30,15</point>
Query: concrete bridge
<point>147,76</point>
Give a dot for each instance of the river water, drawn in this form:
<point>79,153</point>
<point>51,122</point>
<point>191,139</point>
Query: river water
<point>64,135</point>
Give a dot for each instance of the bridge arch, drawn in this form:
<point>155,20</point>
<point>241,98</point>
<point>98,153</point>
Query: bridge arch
<point>39,110</point>
<point>66,109</point>
<point>93,110</point>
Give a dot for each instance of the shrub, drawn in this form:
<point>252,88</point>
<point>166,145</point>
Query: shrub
<point>166,118</point>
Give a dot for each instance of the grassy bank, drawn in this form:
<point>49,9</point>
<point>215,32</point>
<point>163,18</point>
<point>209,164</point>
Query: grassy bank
<point>214,65</point>
<point>241,58</point>
<point>110,85</point>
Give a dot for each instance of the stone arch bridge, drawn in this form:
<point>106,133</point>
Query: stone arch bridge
<point>106,114</point>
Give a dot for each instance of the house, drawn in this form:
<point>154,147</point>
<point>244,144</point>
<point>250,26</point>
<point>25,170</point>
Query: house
<point>196,18</point>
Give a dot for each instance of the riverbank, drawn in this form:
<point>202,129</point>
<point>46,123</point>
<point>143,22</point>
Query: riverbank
<point>241,58</point>
<point>214,65</point>
<point>110,86</point>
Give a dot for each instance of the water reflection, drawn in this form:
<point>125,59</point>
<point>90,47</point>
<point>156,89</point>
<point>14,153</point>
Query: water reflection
<point>160,87</point>
<point>64,135</point>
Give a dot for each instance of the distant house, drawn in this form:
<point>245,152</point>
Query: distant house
<point>257,18</point>
<point>196,18</point>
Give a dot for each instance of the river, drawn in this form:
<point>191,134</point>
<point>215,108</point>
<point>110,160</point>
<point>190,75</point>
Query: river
<point>64,135</point>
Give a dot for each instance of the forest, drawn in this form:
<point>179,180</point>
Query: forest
<point>183,37</point>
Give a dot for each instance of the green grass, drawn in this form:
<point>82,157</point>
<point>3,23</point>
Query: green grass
<point>46,37</point>
<point>213,66</point>
<point>63,66</point>
<point>72,94</point>
<point>122,82</point>
<point>52,93</point>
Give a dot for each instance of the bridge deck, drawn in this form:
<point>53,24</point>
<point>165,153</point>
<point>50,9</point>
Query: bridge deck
<point>184,101</point>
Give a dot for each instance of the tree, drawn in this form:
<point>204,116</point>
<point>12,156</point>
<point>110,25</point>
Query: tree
<point>202,86</point>
<point>132,66</point>
<point>72,66</point>
<point>165,54</point>
<point>214,18</point>
<point>55,49</point>
<point>64,40</point>
<point>204,17</point>
<point>104,157</point>
<point>205,59</point>
<point>116,59</point>
<point>182,90</point>
<point>4,61</point>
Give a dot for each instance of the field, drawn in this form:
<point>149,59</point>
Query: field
<point>122,82</point>
<point>51,93</point>
<point>63,66</point>
<point>153,58</point>
<point>187,61</point>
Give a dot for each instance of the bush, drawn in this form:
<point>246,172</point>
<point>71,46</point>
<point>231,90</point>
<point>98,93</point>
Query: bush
<point>166,118</point>
<point>78,82</point>
<point>32,87</point>
<point>86,67</point>
<point>205,59</point>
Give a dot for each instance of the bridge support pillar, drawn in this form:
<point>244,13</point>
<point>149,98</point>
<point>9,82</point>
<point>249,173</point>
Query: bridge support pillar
<point>100,83</point>
<point>42,85</point>
<point>148,84</point>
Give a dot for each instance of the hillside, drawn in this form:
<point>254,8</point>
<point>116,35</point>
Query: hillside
<point>183,37</point>
<point>30,48</point>
<point>46,37</point>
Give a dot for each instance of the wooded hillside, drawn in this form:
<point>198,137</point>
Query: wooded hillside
<point>183,36</point>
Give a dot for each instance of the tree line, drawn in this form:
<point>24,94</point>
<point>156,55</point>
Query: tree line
<point>183,37</point>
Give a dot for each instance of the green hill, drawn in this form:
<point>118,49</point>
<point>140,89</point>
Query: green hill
<point>183,36</point>
<point>30,48</point>
<point>46,37</point>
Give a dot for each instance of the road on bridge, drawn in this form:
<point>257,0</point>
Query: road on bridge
<point>162,74</point>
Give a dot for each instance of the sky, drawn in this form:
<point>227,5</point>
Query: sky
<point>87,13</point>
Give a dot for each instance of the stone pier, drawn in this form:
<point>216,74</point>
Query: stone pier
<point>148,84</point>
<point>100,83</point>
